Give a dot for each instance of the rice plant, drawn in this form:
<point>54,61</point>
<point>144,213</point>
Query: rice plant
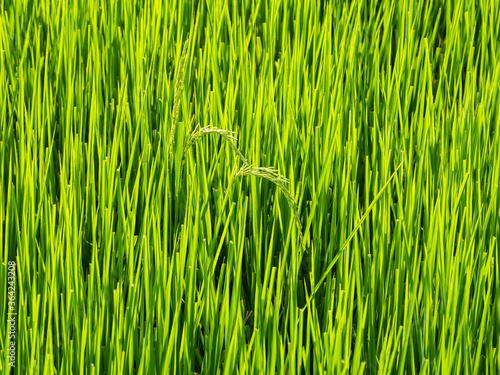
<point>282,187</point>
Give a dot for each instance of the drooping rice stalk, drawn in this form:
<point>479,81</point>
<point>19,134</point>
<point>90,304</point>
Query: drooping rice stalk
<point>227,135</point>
<point>279,180</point>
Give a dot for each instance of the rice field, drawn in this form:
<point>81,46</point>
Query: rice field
<point>249,187</point>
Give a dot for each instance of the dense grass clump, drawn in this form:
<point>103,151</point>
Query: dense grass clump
<point>247,187</point>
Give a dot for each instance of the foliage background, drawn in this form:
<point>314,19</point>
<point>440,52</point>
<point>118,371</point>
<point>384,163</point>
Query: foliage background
<point>124,267</point>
